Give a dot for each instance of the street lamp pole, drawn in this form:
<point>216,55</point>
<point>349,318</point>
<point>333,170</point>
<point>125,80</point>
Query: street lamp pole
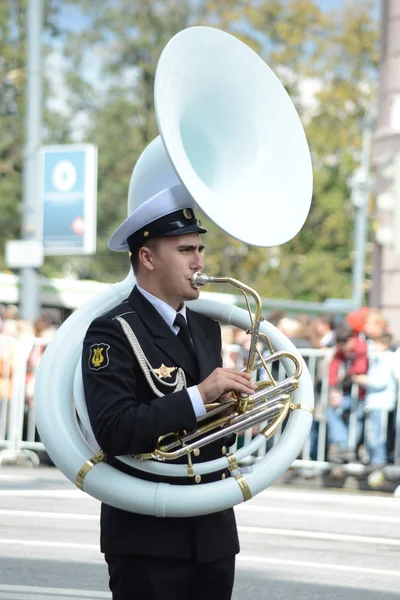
<point>30,228</point>
<point>360,188</point>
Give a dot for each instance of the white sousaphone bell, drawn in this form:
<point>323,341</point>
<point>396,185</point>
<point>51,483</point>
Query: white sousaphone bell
<point>230,134</point>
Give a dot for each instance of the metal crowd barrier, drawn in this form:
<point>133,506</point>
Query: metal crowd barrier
<point>313,458</point>
<point>19,439</point>
<point>318,364</point>
<point>17,420</point>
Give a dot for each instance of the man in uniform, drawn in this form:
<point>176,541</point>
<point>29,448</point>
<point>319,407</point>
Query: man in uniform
<point>153,558</point>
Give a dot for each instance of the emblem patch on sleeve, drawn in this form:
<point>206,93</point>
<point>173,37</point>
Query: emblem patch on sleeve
<point>99,358</point>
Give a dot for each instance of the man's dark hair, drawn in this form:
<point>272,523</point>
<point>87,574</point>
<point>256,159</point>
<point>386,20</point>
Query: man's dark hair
<point>328,319</point>
<point>134,257</point>
<point>275,316</point>
<point>343,334</point>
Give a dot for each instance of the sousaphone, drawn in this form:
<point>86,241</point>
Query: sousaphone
<point>231,135</point>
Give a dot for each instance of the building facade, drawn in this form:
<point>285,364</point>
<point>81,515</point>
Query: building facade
<point>385,289</point>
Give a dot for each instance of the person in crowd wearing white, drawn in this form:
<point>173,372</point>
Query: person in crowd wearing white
<point>380,399</point>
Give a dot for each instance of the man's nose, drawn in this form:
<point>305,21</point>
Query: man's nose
<point>198,263</point>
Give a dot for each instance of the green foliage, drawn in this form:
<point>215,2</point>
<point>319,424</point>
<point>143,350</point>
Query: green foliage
<point>327,61</point>
<point>12,85</point>
<point>336,54</point>
<point>13,45</point>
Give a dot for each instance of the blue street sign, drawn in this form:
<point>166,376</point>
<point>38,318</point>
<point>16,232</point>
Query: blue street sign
<point>68,190</point>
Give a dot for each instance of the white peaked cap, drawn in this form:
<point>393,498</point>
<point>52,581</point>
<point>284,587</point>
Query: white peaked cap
<point>150,215</point>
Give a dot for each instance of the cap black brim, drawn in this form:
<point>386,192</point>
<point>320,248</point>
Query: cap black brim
<point>184,230</point>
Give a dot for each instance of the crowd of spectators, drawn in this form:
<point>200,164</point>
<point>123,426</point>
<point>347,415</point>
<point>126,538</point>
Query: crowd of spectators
<point>363,373</point>
<point>31,341</point>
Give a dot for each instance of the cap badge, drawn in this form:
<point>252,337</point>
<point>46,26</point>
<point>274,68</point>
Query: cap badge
<point>146,233</point>
<point>187,213</point>
<point>164,372</point>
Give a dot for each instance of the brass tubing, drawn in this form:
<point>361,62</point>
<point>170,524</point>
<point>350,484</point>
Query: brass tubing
<point>271,428</point>
<point>89,464</point>
<point>283,354</point>
<point>217,410</point>
<point>239,421</point>
<point>258,397</point>
<point>260,416</point>
<point>269,400</point>
<point>200,279</point>
<point>287,386</point>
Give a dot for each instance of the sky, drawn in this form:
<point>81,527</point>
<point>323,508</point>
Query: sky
<point>72,18</point>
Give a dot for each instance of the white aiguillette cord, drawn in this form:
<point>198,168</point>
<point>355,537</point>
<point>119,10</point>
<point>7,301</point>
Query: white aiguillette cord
<point>178,384</point>
<point>148,371</point>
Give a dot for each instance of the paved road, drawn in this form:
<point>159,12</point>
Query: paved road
<point>295,543</point>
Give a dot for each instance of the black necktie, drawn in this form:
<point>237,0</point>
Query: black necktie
<point>183,334</point>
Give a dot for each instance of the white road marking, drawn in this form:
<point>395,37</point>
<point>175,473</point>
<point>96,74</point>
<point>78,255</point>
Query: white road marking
<point>28,592</point>
<point>17,478</point>
<point>328,497</point>
<point>269,494</point>
<point>38,543</point>
<point>241,558</point>
<point>49,515</point>
<point>316,566</point>
<point>265,531</point>
<point>297,512</point>
<point>318,535</point>
<point>47,494</point>
<point>374,518</point>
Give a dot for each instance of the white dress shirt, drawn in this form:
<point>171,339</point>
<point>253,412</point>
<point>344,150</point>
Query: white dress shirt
<point>169,314</point>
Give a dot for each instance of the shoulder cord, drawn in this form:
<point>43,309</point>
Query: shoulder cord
<point>148,371</point>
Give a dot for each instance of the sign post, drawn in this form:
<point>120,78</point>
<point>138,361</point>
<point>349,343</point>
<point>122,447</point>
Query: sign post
<point>21,254</point>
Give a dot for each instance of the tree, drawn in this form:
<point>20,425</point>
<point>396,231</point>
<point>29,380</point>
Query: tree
<point>327,61</point>
<point>124,41</point>
<point>12,84</point>
<point>335,53</point>
<point>13,33</point>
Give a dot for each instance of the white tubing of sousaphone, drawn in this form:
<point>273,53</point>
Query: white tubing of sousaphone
<point>54,401</point>
<point>233,136</point>
<point>60,432</point>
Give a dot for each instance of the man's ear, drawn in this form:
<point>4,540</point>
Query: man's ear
<point>146,258</point>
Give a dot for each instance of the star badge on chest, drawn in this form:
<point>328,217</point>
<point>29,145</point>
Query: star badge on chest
<point>164,372</point>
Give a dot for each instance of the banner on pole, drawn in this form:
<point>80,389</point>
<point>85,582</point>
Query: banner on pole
<point>68,192</point>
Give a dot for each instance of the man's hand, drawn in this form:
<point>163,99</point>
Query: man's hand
<point>222,381</point>
<point>335,398</point>
<point>360,379</point>
<point>223,400</point>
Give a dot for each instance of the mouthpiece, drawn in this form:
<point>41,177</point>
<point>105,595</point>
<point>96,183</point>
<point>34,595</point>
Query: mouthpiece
<point>199,279</point>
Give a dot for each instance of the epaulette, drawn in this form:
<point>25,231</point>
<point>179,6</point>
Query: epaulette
<point>119,310</point>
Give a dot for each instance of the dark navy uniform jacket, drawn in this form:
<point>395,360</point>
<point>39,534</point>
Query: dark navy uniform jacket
<point>127,418</point>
